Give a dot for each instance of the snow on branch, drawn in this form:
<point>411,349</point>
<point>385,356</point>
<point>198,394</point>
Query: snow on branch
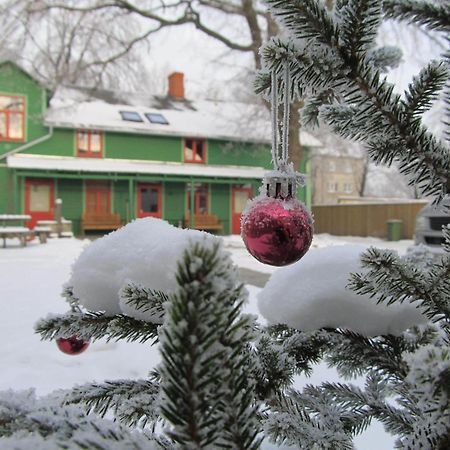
<point>206,371</point>
<point>28,422</point>
<point>311,295</point>
<point>133,402</point>
<point>96,325</point>
<point>391,280</point>
<point>292,422</point>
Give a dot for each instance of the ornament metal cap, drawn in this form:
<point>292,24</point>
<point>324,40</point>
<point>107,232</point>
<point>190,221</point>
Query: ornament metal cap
<point>283,183</point>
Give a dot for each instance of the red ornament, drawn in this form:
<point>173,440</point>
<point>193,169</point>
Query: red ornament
<point>277,231</point>
<point>72,345</point>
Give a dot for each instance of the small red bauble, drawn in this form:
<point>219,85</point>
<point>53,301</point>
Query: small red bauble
<point>277,231</point>
<point>72,345</point>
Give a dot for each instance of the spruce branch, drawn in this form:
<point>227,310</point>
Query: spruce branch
<point>206,374</point>
<point>145,300</point>
<point>429,14</point>
<point>391,280</point>
<point>382,355</point>
<point>291,422</point>
<point>94,326</point>
<point>133,402</point>
<point>357,85</point>
<point>306,19</point>
<point>424,89</point>
<point>26,420</point>
<point>353,398</point>
<point>359,20</point>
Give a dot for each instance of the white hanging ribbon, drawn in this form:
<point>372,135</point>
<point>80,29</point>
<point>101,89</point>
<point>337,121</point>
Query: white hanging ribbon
<point>274,111</point>
<point>286,113</point>
<point>280,161</point>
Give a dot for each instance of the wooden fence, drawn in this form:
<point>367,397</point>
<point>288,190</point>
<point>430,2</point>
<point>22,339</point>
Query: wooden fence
<point>365,219</point>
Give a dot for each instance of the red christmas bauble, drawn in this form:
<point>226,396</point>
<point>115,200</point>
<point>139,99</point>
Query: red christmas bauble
<point>72,345</point>
<point>277,231</point>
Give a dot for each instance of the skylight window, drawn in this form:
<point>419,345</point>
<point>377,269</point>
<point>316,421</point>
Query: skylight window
<point>131,116</point>
<point>156,118</point>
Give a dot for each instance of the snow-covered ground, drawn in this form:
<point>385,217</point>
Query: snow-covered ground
<point>30,286</point>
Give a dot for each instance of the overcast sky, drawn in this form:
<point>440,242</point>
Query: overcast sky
<point>207,63</point>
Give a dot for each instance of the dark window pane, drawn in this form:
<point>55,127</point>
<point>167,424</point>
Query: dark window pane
<point>83,141</point>
<point>131,116</point>
<point>149,200</point>
<point>199,151</point>
<point>157,118</point>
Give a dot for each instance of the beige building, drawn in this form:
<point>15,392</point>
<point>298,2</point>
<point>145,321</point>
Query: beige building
<point>336,178</point>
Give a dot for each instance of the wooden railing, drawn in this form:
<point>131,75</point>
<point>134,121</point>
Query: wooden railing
<point>365,219</point>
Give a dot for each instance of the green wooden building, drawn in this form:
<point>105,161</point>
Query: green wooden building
<point>122,156</point>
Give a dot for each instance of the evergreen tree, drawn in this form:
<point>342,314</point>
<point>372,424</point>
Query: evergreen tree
<point>225,381</point>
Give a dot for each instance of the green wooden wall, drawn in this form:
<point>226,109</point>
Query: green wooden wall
<point>220,204</point>
<point>71,194</point>
<point>174,202</point>
<point>238,153</point>
<point>15,81</point>
<point>62,143</point>
<point>5,192</point>
<point>141,146</point>
<point>120,200</point>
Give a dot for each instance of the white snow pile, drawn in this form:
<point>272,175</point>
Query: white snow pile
<point>145,252</point>
<point>312,294</point>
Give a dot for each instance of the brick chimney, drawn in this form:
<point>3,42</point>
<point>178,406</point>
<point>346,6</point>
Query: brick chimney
<point>176,85</point>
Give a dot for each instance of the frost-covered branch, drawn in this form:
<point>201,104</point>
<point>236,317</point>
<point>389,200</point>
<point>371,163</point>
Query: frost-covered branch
<point>133,402</point>
<point>206,374</point>
<point>96,326</point>
<point>390,280</point>
<point>327,59</point>
<point>418,12</point>
<point>28,422</point>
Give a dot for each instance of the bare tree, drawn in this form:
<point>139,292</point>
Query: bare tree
<point>100,48</point>
<point>240,25</point>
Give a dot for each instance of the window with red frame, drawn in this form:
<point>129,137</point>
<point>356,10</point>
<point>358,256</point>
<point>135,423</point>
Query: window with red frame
<point>89,143</point>
<point>194,151</point>
<point>12,118</point>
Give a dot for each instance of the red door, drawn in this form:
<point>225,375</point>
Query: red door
<point>239,197</point>
<point>39,200</point>
<point>98,197</point>
<point>149,200</point>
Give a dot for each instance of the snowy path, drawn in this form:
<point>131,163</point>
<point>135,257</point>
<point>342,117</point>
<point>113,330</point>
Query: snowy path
<point>30,285</point>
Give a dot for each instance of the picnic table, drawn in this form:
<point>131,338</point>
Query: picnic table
<point>8,218</point>
<point>22,233</point>
<point>19,231</point>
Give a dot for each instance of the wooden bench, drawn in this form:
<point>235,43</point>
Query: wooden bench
<point>91,221</point>
<point>21,233</point>
<point>207,222</point>
<point>42,233</point>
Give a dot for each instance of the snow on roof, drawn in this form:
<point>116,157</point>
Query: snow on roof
<point>81,108</point>
<point>71,164</point>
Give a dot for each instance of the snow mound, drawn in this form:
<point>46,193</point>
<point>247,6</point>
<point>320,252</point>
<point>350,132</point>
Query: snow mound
<point>312,294</point>
<point>145,251</point>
